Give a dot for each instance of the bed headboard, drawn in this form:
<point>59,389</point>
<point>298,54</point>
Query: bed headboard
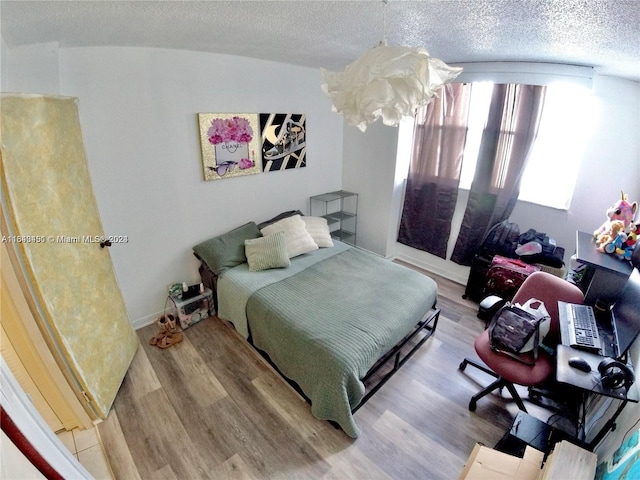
<point>222,252</point>
<point>227,250</point>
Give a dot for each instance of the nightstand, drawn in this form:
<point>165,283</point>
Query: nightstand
<point>190,311</point>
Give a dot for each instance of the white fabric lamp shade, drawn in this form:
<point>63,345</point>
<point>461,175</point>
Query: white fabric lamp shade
<point>387,82</point>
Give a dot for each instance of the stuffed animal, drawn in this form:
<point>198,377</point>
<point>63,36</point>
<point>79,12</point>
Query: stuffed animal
<point>616,246</point>
<point>619,243</point>
<point>621,210</point>
<point>625,251</point>
<point>607,237</point>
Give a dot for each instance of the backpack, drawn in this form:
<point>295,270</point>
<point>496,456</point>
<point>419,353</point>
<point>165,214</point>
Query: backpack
<point>501,239</point>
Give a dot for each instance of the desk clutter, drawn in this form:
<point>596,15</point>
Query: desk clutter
<point>589,382</point>
<point>506,258</point>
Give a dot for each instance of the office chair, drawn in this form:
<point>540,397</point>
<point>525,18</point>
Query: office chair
<point>508,371</point>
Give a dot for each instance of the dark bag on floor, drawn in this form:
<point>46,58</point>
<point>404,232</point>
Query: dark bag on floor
<point>501,239</point>
<point>477,278</point>
<point>511,329</point>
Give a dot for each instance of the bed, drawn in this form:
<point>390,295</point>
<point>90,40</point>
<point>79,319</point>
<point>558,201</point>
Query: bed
<point>328,318</point>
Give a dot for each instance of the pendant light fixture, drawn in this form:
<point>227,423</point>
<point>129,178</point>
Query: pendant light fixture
<point>386,82</point>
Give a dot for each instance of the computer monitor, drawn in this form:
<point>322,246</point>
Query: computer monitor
<point>626,313</point>
<point>635,258</point>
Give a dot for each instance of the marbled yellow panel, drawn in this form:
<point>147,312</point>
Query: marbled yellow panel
<point>50,197</point>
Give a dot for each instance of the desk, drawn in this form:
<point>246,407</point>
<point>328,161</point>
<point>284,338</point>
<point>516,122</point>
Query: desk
<point>610,273</point>
<point>589,382</point>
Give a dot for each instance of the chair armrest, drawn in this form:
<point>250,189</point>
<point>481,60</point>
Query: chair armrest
<point>489,306</point>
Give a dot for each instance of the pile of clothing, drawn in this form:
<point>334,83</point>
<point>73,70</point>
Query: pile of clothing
<point>537,247</point>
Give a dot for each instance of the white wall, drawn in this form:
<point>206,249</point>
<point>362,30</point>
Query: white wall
<point>3,63</point>
<point>368,170</point>
<point>138,111</point>
<point>31,69</point>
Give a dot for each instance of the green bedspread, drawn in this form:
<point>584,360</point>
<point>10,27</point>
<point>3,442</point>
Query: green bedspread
<point>326,325</point>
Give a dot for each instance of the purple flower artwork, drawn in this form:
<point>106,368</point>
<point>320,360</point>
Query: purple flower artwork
<point>235,129</point>
<point>229,144</point>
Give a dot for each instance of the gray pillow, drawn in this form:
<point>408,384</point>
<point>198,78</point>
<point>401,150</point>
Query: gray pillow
<point>226,251</point>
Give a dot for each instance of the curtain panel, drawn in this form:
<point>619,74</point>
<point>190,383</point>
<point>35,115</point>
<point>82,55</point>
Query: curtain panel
<point>431,192</point>
<point>511,129</point>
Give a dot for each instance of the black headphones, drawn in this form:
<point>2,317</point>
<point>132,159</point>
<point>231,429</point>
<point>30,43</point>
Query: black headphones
<point>615,374</point>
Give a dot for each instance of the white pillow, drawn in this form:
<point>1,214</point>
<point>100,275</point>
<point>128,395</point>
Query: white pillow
<point>267,252</point>
<point>318,228</point>
<point>298,239</point>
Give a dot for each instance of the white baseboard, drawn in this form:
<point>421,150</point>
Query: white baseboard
<point>144,321</point>
<point>460,278</point>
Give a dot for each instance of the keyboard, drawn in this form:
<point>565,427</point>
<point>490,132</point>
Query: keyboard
<point>583,329</point>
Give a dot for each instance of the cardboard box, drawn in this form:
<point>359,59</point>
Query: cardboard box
<point>488,464</point>
<point>570,461</point>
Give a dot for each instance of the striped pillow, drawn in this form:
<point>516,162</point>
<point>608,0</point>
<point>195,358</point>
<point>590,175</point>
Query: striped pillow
<point>267,252</point>
<point>298,239</point>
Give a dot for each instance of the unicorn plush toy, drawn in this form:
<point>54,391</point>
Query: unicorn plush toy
<point>621,210</point>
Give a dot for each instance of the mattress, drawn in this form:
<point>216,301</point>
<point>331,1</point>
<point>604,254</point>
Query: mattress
<point>326,319</point>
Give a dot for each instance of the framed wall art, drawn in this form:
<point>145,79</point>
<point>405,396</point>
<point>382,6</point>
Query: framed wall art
<point>230,144</point>
<point>283,141</point>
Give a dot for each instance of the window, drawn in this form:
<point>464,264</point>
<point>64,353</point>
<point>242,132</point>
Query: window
<point>550,175</point>
<point>478,112</point>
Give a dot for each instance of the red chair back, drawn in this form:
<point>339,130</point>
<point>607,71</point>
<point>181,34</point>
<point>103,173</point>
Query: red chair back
<point>549,289</point>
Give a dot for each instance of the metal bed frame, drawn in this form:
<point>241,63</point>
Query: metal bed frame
<point>426,326</point>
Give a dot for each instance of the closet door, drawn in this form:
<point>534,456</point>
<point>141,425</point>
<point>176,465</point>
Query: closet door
<point>54,227</point>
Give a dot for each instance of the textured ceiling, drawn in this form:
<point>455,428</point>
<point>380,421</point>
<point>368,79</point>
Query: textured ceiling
<point>604,34</point>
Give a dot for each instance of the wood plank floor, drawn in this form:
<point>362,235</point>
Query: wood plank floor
<point>211,407</point>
